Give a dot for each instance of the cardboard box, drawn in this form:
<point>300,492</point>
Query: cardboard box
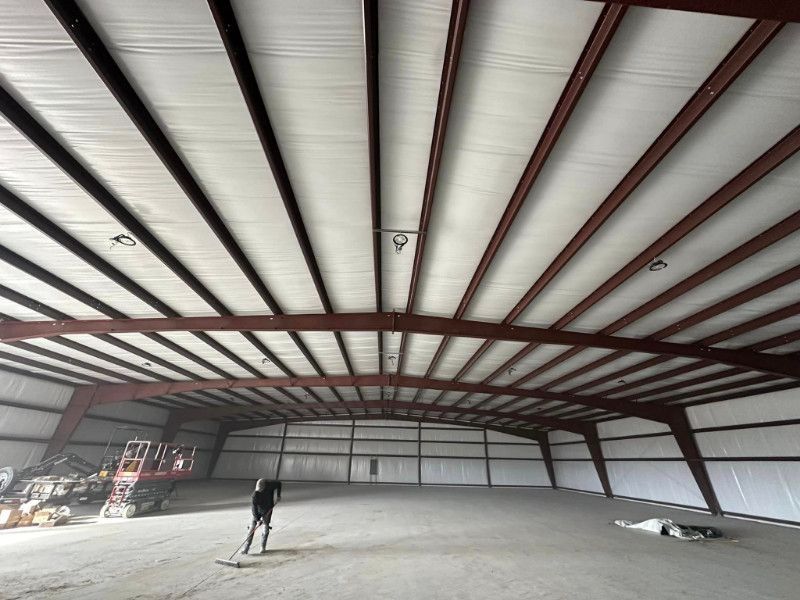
<point>9,518</point>
<point>25,521</point>
<point>42,516</point>
<point>10,514</point>
<point>60,520</point>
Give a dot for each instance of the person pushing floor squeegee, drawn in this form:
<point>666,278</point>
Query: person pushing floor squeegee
<point>266,495</point>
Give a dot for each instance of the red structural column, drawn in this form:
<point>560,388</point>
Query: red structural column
<point>219,444</point>
<point>686,442</point>
<point>171,427</point>
<point>547,456</point>
<point>79,403</point>
<point>593,442</point>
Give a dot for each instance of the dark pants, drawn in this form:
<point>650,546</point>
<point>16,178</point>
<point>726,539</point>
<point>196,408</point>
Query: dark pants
<point>264,531</point>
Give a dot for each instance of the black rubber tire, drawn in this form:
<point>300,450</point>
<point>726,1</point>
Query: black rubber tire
<point>8,477</point>
<point>104,511</point>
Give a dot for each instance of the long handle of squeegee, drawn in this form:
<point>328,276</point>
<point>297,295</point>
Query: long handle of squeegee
<point>253,529</point>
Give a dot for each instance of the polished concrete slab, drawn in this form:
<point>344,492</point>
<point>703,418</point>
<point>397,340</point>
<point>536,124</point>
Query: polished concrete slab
<point>368,542</point>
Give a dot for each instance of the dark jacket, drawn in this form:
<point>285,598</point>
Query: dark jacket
<point>264,501</point>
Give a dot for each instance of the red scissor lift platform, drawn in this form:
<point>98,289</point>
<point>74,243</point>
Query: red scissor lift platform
<point>146,476</point>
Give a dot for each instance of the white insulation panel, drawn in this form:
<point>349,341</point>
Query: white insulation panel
<point>308,467</point>
<point>236,465</point>
<point>775,406</point>
<point>762,441</point>
<point>663,481</point>
<point>21,422</point>
<point>518,472</point>
<point>384,447</point>
<point>760,489</point>
<point>454,471</point>
<point>20,454</point>
<point>577,475</point>
<point>390,470</point>
<point>514,451</point>
<point>253,444</point>
<point>33,392</point>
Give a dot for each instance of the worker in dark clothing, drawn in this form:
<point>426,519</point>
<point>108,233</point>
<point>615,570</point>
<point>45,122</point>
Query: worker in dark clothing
<point>265,496</point>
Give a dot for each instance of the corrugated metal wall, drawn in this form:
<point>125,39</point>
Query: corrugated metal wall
<point>406,452</point>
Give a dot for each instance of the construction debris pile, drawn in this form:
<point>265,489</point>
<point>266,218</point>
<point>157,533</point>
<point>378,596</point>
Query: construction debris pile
<point>32,513</point>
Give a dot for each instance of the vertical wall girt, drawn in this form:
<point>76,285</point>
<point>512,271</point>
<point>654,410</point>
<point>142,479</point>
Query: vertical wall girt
<point>350,464</point>
<point>486,456</point>
<point>593,442</point>
<point>79,403</point>
<point>419,453</point>
<point>547,456</point>
<point>691,453</point>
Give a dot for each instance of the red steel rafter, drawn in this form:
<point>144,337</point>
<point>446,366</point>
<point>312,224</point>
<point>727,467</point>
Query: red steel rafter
<point>748,47</point>
<point>780,10</point>
<point>604,29</point>
<point>455,38</point>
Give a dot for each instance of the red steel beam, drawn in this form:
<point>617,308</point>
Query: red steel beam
<point>764,287</point>
<point>455,38</point>
<point>233,41</point>
<point>371,49</point>
<point>753,173</point>
<point>113,393</point>
<point>774,342</point>
<point>22,330</point>
<point>604,29</point>
<point>761,241</point>
<point>789,225</point>
<point>748,47</point>
<point>251,424</point>
<point>779,10</point>
<point>191,414</point>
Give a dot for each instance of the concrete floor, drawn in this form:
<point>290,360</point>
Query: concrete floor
<point>367,542</point>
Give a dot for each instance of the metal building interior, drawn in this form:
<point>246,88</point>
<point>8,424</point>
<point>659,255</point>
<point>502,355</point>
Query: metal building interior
<point>471,278</point>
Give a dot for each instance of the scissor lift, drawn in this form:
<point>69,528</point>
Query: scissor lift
<point>146,476</point>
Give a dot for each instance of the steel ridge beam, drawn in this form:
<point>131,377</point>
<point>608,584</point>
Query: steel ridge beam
<point>233,41</point>
<point>748,47</point>
<point>202,414</point>
<point>16,331</point>
<point>604,29</point>
<point>91,46</point>
<point>113,393</point>
<point>778,10</point>
<point>452,54</point>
